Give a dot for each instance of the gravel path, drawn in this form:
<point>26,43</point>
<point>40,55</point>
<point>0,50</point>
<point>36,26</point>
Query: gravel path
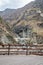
<point>21,60</point>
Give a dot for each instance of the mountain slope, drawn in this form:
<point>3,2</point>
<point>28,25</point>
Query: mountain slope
<point>30,15</point>
<point>6,34</point>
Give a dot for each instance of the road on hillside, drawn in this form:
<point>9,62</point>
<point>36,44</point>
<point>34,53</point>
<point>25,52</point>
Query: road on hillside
<point>21,60</point>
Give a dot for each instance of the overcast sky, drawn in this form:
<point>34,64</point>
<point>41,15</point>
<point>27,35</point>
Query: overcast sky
<point>14,4</point>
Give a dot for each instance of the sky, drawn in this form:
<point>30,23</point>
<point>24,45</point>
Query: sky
<point>13,4</point>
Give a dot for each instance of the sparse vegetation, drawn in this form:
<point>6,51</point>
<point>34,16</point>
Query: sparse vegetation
<point>30,16</point>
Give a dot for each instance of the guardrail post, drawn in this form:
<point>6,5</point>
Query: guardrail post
<point>26,50</point>
<point>8,49</point>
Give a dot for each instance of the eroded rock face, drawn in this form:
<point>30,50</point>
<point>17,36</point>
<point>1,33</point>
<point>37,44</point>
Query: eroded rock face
<point>40,25</point>
<point>39,39</point>
<point>32,12</point>
<point>23,29</point>
<point>39,3</point>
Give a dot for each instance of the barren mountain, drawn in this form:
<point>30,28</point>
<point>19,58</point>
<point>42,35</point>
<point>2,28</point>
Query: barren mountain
<point>6,34</point>
<point>30,15</point>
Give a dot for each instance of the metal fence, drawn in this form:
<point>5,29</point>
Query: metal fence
<point>21,49</point>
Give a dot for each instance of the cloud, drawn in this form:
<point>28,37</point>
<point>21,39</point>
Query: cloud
<point>3,2</point>
<point>13,3</point>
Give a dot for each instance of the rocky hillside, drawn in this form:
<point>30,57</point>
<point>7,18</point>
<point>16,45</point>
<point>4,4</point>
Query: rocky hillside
<point>6,35</point>
<point>30,16</point>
